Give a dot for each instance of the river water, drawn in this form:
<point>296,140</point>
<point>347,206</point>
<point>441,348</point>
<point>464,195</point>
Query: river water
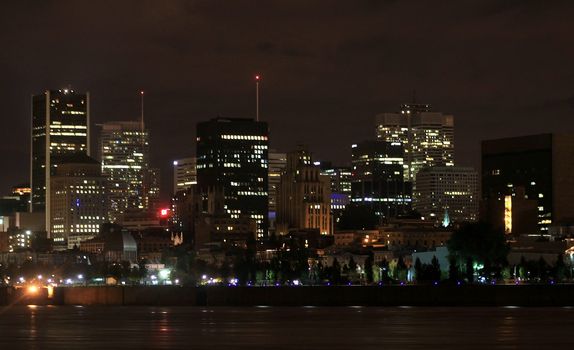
<point>69,327</point>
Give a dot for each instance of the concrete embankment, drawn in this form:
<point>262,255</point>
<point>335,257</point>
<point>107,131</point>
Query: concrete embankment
<point>524,295</point>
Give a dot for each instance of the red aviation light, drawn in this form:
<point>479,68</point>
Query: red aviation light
<point>164,213</point>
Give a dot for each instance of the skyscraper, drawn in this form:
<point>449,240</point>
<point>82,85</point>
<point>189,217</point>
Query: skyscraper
<point>152,181</point>
<point>78,201</point>
<point>446,195</point>
<point>232,165</point>
<point>340,178</point>
<point>427,137</point>
<point>538,168</point>
<point>378,180</point>
<point>277,163</point>
<point>125,161</point>
<point>60,127</point>
<point>184,174</point>
<point>304,196</point>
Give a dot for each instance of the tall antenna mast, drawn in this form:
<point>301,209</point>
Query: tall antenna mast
<point>142,111</point>
<point>257,79</point>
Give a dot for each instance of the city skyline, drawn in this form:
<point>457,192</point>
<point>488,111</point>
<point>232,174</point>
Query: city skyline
<point>477,75</point>
<point>286,174</point>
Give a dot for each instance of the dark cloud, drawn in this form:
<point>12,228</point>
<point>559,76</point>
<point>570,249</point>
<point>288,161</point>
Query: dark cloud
<point>501,67</point>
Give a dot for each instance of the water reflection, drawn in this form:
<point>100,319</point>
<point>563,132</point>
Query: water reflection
<point>506,332</point>
<point>276,327</point>
<point>32,329</point>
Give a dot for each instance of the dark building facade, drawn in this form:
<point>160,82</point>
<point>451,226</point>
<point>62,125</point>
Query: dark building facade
<point>537,167</point>
<point>378,179</point>
<point>232,169</point>
<point>60,127</point>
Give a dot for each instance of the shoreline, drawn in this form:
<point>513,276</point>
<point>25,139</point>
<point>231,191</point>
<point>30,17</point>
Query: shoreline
<point>410,295</point>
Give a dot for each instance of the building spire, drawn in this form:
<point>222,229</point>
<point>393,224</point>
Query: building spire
<point>257,79</point>
<point>142,111</point>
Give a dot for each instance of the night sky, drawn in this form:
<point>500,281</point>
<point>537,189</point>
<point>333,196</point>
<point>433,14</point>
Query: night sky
<point>503,68</point>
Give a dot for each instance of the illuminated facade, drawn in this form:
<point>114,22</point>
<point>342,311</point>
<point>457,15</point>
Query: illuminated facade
<point>304,196</point>
<point>184,174</point>
<point>60,127</point>
<point>541,167</point>
<point>449,193</point>
<point>378,180</point>
<point>232,169</point>
<point>508,214</point>
<point>78,201</point>
<point>427,137</point>
<point>124,156</point>
<point>340,178</point>
<point>277,164</point>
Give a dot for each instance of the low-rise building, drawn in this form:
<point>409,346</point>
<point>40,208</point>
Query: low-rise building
<point>350,237</point>
<point>117,246</point>
<point>224,229</point>
<point>413,235</point>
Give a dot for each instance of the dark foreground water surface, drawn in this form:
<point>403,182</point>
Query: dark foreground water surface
<point>69,327</point>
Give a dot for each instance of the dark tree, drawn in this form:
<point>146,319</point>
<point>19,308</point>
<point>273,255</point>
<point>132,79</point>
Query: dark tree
<point>369,268</point>
<point>419,273</point>
<point>384,266</point>
<point>401,270</point>
<point>453,273</point>
<point>479,243</point>
<point>469,270</point>
<point>542,269</point>
<point>559,268</point>
<point>336,272</point>
<point>321,275</point>
<point>435,269</point>
<point>352,265</point>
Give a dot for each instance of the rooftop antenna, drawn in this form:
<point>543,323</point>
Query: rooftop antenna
<point>257,79</point>
<point>142,111</point>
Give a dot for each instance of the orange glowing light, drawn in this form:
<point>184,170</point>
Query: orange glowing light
<point>32,289</point>
<point>164,213</point>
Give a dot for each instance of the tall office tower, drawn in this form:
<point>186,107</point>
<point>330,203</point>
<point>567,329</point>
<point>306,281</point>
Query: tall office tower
<point>446,195</point>
<point>184,205</point>
<point>60,127</point>
<point>340,178</point>
<point>78,201</point>
<point>378,180</point>
<point>427,137</point>
<point>232,169</point>
<point>125,159</point>
<point>304,196</point>
<point>184,174</point>
<point>152,181</point>
<point>537,168</point>
<point>277,163</point>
